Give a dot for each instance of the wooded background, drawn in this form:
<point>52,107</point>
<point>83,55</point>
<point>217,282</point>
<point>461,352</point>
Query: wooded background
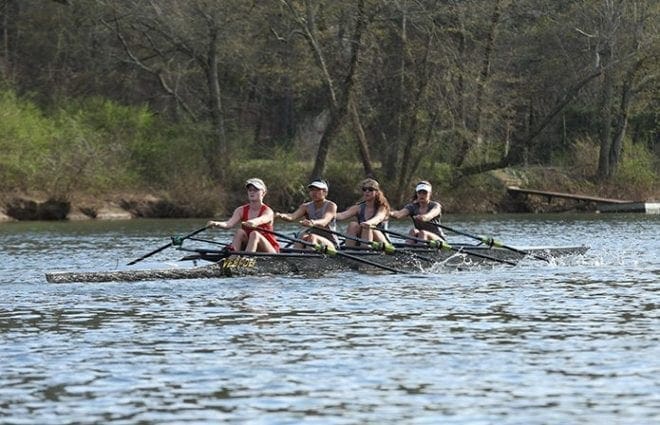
<point>470,85</point>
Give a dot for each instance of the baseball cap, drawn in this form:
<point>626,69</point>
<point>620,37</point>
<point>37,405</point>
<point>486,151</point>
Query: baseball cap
<point>319,184</point>
<point>258,183</point>
<point>371,183</point>
<point>423,185</point>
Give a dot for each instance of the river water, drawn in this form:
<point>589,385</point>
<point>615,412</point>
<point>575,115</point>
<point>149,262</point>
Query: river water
<point>573,342</point>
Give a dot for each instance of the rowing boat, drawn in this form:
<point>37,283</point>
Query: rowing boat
<point>310,263</point>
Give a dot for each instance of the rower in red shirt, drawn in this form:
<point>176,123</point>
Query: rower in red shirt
<point>252,216</point>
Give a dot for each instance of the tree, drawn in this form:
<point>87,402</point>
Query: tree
<point>196,51</point>
<point>13,17</point>
<point>339,79</point>
<point>626,41</point>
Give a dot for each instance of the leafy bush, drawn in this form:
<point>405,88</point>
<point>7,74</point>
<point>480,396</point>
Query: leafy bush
<point>344,178</point>
<point>582,157</point>
<point>637,174</point>
<point>95,146</point>
<point>25,133</point>
<point>284,176</point>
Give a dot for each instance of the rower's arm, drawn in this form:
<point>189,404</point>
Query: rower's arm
<point>379,217</point>
<point>233,220</point>
<point>399,214</point>
<point>432,213</point>
<point>351,212</point>
<point>294,215</point>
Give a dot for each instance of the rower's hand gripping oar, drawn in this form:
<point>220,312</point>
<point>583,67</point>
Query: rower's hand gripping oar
<point>329,251</point>
<point>176,240</point>
<point>386,247</point>
<point>493,242</point>
<point>440,244</point>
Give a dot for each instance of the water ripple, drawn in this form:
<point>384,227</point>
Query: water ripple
<point>574,341</point>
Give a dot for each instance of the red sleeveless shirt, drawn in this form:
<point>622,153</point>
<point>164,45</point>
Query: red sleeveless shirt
<point>268,226</point>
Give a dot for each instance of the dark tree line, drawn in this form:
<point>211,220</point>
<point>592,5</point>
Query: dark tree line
<point>476,84</point>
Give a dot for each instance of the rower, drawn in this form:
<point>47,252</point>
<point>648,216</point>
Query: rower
<point>252,216</point>
<point>318,214</point>
<point>372,211</point>
<point>425,214</point>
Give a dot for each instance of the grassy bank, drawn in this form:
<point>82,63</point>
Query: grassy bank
<point>93,154</point>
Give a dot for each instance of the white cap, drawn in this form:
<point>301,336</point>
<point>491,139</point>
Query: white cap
<point>258,183</point>
<point>423,186</point>
<point>319,184</point>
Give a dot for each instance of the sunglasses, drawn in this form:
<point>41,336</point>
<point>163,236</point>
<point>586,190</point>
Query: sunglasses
<point>368,189</point>
<point>423,192</point>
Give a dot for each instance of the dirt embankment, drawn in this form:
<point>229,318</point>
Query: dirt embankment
<point>110,207</point>
<point>482,193</point>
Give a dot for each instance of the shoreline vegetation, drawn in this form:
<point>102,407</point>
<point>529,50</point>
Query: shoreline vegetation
<point>96,159</point>
<point>131,109</point>
<point>484,193</point>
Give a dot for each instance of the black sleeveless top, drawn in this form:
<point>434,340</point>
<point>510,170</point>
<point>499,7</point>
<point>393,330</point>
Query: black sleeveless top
<point>362,216</point>
<point>431,225</point>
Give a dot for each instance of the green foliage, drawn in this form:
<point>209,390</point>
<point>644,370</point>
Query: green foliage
<point>638,169</point>
<point>439,174</point>
<point>344,177</point>
<point>438,74</point>
<point>24,135</point>
<point>581,158</point>
<point>195,193</point>
<point>284,176</point>
<point>95,146</point>
<point>287,178</point>
<point>111,117</point>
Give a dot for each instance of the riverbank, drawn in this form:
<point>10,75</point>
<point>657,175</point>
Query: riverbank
<point>110,206</point>
<point>481,193</point>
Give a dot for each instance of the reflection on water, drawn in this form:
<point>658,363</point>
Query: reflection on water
<point>575,341</point>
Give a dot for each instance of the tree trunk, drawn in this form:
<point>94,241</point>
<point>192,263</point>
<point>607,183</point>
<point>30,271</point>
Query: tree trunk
<point>605,133</point>
<point>220,159</point>
<point>518,146</point>
<point>621,124</point>
<point>324,144</point>
<point>8,18</point>
<point>361,140</point>
<point>338,105</point>
<point>484,75</point>
<point>392,149</point>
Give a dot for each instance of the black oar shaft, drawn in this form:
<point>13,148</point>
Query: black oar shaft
<point>332,252</point>
<point>493,242</point>
<point>210,241</point>
<point>157,250</point>
<point>388,248</point>
<point>341,235</point>
<point>444,245</point>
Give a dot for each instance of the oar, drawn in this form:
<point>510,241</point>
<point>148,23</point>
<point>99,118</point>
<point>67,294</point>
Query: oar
<point>440,244</point>
<point>493,242</point>
<point>329,251</point>
<point>386,247</point>
<point>176,240</point>
<point>209,241</point>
